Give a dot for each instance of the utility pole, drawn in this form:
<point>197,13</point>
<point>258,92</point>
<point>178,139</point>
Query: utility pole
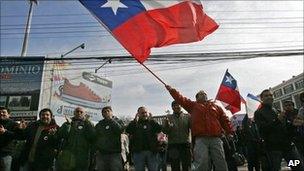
<point>28,28</point>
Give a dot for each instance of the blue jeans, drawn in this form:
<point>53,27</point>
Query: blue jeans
<point>143,157</point>
<point>5,163</point>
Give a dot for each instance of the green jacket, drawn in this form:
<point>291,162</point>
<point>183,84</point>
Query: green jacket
<point>178,129</point>
<point>76,140</point>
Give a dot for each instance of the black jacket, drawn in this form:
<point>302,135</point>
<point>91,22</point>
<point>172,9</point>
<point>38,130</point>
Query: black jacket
<point>46,145</point>
<point>108,136</point>
<point>6,139</point>
<point>143,135</point>
<point>271,129</point>
<point>252,136</point>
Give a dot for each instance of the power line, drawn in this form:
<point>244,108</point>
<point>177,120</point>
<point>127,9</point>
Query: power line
<point>222,11</point>
<point>98,26</point>
<point>107,35</point>
<point>93,31</point>
<point>217,19</point>
<point>213,54</point>
<point>202,45</point>
<point>177,67</point>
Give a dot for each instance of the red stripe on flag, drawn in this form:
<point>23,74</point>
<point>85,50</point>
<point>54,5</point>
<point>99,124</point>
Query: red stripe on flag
<point>166,26</point>
<point>231,97</point>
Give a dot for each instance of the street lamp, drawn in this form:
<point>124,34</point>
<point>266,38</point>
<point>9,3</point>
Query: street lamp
<point>82,46</point>
<point>109,60</point>
<point>28,27</point>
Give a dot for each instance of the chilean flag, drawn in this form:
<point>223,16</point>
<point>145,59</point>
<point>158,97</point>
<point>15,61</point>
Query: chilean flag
<point>253,104</point>
<point>140,25</point>
<point>229,94</point>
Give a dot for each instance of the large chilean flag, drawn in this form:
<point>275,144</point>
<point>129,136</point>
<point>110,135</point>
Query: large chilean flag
<point>140,25</point>
<point>229,94</point>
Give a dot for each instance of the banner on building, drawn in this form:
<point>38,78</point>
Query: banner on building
<point>73,87</point>
<point>20,86</point>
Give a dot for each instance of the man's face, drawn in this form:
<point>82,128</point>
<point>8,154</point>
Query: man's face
<point>201,96</point>
<point>143,113</point>
<point>79,113</point>
<point>176,108</point>
<point>46,117</point>
<point>107,113</point>
<point>288,106</point>
<point>4,114</point>
<point>267,98</point>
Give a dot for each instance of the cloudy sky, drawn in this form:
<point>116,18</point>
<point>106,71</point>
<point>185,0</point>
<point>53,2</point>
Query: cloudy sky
<point>59,26</point>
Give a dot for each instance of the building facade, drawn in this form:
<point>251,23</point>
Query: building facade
<point>288,90</point>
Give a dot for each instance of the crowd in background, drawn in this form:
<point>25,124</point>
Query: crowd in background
<point>201,139</point>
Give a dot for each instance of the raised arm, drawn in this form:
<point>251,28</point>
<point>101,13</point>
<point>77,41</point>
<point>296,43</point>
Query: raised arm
<point>186,103</point>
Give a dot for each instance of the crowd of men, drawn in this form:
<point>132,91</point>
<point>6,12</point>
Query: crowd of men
<point>201,140</point>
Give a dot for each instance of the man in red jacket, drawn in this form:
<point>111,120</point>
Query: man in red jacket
<point>208,124</point>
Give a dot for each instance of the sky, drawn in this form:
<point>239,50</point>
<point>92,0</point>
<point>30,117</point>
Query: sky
<point>59,26</point>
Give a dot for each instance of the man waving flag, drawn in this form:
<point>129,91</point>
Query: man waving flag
<point>140,25</point>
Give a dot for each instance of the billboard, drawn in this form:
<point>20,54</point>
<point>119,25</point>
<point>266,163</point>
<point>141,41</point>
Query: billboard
<point>20,85</point>
<point>73,87</point>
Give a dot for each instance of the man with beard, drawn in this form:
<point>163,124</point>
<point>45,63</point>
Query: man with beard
<point>39,150</point>
<point>143,140</point>
<point>7,127</point>
<point>76,137</point>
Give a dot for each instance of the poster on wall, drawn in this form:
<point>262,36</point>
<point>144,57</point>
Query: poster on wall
<point>20,85</point>
<point>73,87</point>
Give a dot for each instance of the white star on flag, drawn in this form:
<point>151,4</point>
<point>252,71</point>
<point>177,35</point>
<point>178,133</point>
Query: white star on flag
<point>229,79</point>
<point>114,4</point>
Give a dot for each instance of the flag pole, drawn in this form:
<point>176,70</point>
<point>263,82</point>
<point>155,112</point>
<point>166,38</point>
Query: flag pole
<point>153,74</point>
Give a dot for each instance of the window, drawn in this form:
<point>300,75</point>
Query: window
<point>277,93</point>
<point>299,84</point>
<point>288,89</point>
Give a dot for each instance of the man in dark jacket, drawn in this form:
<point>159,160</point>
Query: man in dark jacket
<point>143,132</point>
<point>273,128</point>
<point>39,150</point>
<point>252,142</point>
<point>108,143</point>
<point>7,127</point>
<point>76,137</point>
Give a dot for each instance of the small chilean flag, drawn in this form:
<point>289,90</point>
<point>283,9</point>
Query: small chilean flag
<point>229,94</point>
<point>253,104</point>
<point>140,25</point>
